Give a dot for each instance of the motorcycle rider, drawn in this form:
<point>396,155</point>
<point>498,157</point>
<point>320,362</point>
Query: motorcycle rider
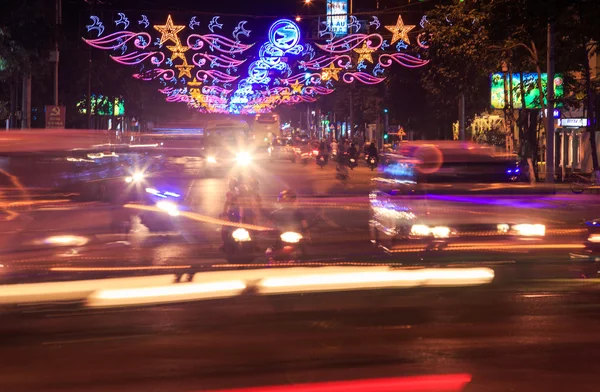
<point>323,151</point>
<point>288,216</point>
<point>334,145</point>
<point>372,152</point>
<point>231,208</point>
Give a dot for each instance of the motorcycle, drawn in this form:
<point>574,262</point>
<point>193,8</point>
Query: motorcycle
<point>289,246</point>
<point>352,162</point>
<point>321,161</point>
<point>371,162</point>
<point>239,245</point>
<point>334,154</point>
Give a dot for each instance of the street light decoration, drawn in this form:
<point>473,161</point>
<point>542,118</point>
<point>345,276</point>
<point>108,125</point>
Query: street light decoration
<point>400,31</point>
<point>212,72</point>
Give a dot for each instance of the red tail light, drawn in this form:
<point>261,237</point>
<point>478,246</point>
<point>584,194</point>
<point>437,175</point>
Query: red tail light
<point>316,152</point>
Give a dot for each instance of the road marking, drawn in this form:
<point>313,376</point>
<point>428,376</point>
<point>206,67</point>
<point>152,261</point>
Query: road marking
<point>330,222</point>
<point>540,295</point>
<point>90,340</point>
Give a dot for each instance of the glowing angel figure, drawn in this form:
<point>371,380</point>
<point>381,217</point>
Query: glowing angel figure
<point>96,25</point>
<point>241,30</point>
<point>123,20</point>
<point>354,24</point>
<point>214,23</point>
<point>193,22</point>
<point>327,31</point>
<point>401,45</point>
<point>144,21</point>
<point>375,22</point>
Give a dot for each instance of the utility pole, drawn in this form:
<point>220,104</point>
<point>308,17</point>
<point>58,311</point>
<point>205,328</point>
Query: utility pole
<point>550,107</point>
<point>55,55</point>
<point>26,102</point>
<point>461,117</point>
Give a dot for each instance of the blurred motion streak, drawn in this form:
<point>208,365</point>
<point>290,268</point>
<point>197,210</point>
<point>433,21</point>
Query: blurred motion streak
<point>170,293</point>
<point>117,269</point>
<point>509,246</point>
<point>202,218</point>
<point>356,280</point>
<point>73,290</point>
<point>438,383</point>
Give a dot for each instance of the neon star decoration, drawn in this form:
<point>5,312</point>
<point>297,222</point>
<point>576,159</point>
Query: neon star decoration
<point>169,31</point>
<point>331,72</point>
<point>178,51</point>
<point>400,31</point>
<point>297,87</point>
<point>225,75</point>
<point>365,53</point>
<point>185,70</point>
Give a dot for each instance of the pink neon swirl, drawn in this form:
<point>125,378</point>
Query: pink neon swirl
<point>324,61</point>
<point>133,58</point>
<point>158,61</point>
<point>406,60</point>
<point>166,74</point>
<point>111,41</point>
<point>351,42</point>
<point>220,61</point>
<point>218,42</point>
<point>318,90</point>
<point>312,78</point>
<point>362,77</point>
<point>215,90</point>
<point>218,75</point>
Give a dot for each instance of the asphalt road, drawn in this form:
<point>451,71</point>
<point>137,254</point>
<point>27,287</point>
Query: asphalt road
<point>340,231</point>
<point>534,328</point>
<point>530,335</point>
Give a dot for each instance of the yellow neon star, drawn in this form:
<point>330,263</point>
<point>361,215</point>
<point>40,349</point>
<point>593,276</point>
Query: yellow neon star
<point>169,31</point>
<point>178,51</point>
<point>194,83</point>
<point>330,72</point>
<point>365,53</point>
<point>185,69</point>
<point>400,31</point>
<point>297,87</point>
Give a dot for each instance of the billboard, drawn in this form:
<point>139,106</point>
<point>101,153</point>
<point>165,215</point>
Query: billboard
<point>103,105</point>
<point>337,16</point>
<point>529,89</point>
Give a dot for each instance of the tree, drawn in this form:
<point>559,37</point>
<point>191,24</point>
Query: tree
<point>471,39</point>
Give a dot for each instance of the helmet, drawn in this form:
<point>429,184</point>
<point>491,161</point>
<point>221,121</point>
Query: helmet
<point>287,196</point>
<point>253,184</point>
<point>233,183</point>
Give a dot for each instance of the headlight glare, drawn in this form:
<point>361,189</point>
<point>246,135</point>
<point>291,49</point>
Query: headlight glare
<point>529,230</point>
<point>243,158</point>
<point>291,237</point>
<point>169,207</point>
<point>241,235</point>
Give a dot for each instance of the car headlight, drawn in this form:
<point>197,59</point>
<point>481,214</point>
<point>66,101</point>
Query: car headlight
<point>291,237</point>
<point>529,230</point>
<point>243,158</point>
<point>211,160</point>
<point>135,177</point>
<point>426,231</point>
<point>241,235</point>
<point>169,207</point>
<point>595,238</point>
